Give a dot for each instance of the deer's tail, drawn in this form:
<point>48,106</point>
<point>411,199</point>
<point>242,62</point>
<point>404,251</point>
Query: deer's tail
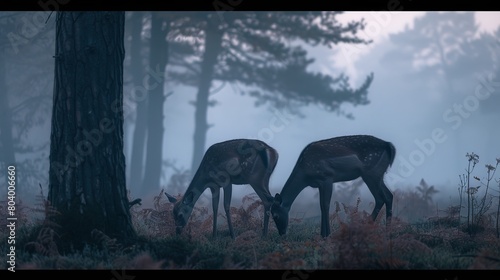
<point>391,151</point>
<point>269,157</point>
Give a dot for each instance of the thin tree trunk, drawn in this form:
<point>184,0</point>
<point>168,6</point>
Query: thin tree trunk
<point>451,92</point>
<point>87,163</point>
<point>213,47</point>
<point>140,126</point>
<point>154,147</point>
<point>7,145</point>
<point>498,215</point>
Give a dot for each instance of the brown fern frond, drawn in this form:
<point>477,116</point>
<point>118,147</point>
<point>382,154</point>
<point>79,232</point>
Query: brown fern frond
<point>43,207</point>
<point>45,243</point>
<point>254,206</point>
<point>100,238</point>
<point>358,202</point>
<point>484,260</point>
<point>155,223</point>
<point>250,198</point>
<point>157,200</point>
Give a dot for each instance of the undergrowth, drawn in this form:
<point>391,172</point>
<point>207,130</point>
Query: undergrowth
<point>356,242</point>
<point>435,240</point>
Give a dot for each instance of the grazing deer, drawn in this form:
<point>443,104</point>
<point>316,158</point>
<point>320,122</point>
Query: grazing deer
<point>338,159</point>
<point>239,162</point>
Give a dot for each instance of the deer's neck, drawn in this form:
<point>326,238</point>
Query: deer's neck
<point>198,185</point>
<point>293,186</point>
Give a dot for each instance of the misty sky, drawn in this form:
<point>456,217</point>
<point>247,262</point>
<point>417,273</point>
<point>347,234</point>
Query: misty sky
<point>395,116</point>
<point>397,112</point>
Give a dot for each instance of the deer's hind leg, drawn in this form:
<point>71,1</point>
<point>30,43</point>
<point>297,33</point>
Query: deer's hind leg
<point>325,196</point>
<point>381,194</point>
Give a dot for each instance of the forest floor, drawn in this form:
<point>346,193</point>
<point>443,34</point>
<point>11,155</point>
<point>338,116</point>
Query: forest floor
<point>355,242</point>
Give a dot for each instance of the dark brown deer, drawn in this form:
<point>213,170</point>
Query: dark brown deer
<point>338,159</point>
<point>239,162</point>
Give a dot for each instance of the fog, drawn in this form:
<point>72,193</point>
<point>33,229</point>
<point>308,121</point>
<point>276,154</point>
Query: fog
<point>410,106</point>
<point>432,137</point>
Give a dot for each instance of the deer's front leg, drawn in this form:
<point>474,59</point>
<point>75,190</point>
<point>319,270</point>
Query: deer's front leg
<point>215,208</point>
<point>262,191</point>
<point>325,195</point>
<point>228,192</point>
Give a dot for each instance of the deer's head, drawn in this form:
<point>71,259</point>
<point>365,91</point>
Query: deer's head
<point>182,210</point>
<point>279,214</point>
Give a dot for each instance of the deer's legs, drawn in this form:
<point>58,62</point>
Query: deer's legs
<point>228,192</point>
<point>325,195</point>
<point>267,209</point>
<point>381,194</point>
<point>215,208</point>
<point>267,199</point>
<point>388,201</point>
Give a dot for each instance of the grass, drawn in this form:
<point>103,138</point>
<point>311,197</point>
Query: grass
<point>356,242</point>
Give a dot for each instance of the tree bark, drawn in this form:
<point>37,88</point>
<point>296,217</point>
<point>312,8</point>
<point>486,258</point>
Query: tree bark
<point>157,63</point>
<point>140,126</point>
<point>213,40</point>
<point>87,164</point>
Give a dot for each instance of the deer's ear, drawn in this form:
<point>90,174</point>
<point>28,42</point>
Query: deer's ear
<point>277,198</point>
<point>171,198</point>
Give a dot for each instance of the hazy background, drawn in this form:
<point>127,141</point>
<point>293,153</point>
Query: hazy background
<point>409,99</point>
<point>402,110</point>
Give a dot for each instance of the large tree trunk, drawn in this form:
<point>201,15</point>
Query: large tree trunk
<point>154,147</point>
<point>140,126</point>
<point>87,164</point>
<point>213,39</point>
<point>7,146</point>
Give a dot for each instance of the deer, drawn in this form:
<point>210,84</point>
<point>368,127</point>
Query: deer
<point>325,162</point>
<point>239,162</point>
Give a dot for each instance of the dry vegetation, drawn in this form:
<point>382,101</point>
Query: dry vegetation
<point>355,243</point>
<point>420,237</point>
